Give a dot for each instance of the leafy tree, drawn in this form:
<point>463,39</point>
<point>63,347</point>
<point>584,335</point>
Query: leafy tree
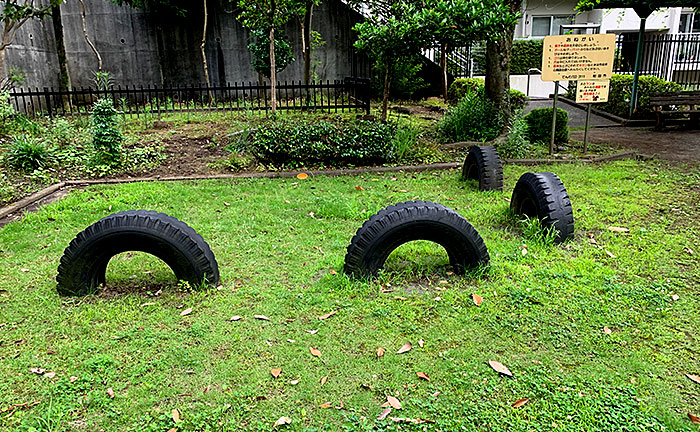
<point>266,16</point>
<point>13,15</point>
<point>450,23</point>
<point>389,32</point>
<point>304,14</point>
<point>260,50</point>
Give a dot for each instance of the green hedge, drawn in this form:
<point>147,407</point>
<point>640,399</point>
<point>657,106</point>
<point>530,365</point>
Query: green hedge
<point>621,92</point>
<point>288,142</point>
<point>539,125</point>
<point>527,53</point>
<point>462,86</point>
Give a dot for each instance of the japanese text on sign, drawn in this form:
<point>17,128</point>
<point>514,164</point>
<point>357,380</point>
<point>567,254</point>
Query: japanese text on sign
<point>592,91</point>
<point>578,57</point>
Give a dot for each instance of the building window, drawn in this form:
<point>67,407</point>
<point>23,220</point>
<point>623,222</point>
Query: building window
<point>549,25</point>
<point>690,23</point>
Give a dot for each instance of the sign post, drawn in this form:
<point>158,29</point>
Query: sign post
<point>590,92</point>
<point>574,58</point>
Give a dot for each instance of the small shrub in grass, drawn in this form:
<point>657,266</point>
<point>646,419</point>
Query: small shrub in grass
<point>518,100</point>
<point>106,136</point>
<point>539,125</point>
<point>473,119</point>
<point>27,153</point>
<point>286,142</point>
<point>516,144</point>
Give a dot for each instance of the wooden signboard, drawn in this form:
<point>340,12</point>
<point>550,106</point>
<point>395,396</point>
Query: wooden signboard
<point>578,57</point>
<point>592,91</point>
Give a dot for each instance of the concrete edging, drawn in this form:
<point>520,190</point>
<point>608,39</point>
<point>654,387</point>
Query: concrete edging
<point>36,196</point>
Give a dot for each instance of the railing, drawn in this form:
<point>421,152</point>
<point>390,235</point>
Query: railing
<point>673,57</point>
<point>348,94</point>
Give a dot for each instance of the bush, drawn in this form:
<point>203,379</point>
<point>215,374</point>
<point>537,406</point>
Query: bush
<point>461,86</point>
<point>621,93</point>
<point>539,125</point>
<point>516,144</point>
<point>106,135</point>
<point>358,142</point>
<point>6,110</point>
<point>527,53</point>
<point>406,81</point>
<point>27,153</point>
<point>473,119</point>
<point>518,100</point>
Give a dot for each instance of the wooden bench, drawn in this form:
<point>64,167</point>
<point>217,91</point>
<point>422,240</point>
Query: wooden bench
<point>662,103</point>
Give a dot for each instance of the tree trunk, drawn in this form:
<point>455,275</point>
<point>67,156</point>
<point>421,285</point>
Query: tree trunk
<point>87,38</point>
<point>443,63</point>
<point>204,53</point>
<point>387,84</point>
<point>306,40</point>
<point>57,22</point>
<point>273,72</point>
<point>498,54</point>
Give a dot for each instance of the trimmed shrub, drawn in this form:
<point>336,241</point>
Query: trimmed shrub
<point>461,86</point>
<point>518,100</point>
<point>289,142</point>
<point>539,125</point>
<point>527,53</point>
<point>106,135</point>
<point>473,119</point>
<point>621,93</point>
<point>27,153</point>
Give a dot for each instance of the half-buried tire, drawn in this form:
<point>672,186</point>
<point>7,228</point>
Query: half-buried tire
<point>84,262</point>
<point>409,221</point>
<point>484,164</point>
<point>543,195</point>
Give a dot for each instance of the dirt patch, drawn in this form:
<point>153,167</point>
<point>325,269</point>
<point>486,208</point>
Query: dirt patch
<point>673,144</point>
<point>186,156</point>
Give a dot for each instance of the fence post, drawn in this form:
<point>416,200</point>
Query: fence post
<point>47,97</point>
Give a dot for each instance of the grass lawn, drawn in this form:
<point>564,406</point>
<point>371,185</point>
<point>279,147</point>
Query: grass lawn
<point>125,359</point>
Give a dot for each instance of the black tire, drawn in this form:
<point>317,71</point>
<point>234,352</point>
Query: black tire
<point>543,195</point>
<point>414,220</point>
<point>84,262</point>
<point>484,164</point>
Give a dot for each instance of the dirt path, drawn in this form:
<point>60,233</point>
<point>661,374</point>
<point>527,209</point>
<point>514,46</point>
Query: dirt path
<point>672,145</point>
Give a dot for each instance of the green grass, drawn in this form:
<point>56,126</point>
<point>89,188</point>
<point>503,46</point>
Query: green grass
<point>277,242</point>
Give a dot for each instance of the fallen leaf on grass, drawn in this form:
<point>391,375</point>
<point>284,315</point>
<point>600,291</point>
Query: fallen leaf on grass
<point>282,421</point>
<point>693,418</point>
<point>302,176</point>
<point>436,394</point>
<point>172,430</point>
<point>693,378</point>
<point>400,298</point>
<point>618,229</point>
<point>314,352</point>
<point>359,188</point>
<point>380,351</point>
<point>500,368</point>
<point>328,315</point>
<point>384,413</point>
<point>520,402</point>
<point>73,378</point>
<point>50,374</point>
<point>311,331</point>
<point>423,375</point>
<point>420,343</point>
<point>675,297</point>
<point>176,415</point>
<point>325,405</point>
<point>276,372</point>
<point>294,382</point>
<point>477,299</point>
<point>261,317</point>
<point>38,371</point>
<point>610,254</point>
<point>324,379</point>
<point>405,348</point>
<point>235,318</point>
<point>110,393</point>
<point>393,402</point>
<point>186,312</point>
<point>606,330</point>
<point>333,272</point>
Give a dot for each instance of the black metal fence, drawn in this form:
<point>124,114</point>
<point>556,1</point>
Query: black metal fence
<point>350,94</point>
<point>673,57</point>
